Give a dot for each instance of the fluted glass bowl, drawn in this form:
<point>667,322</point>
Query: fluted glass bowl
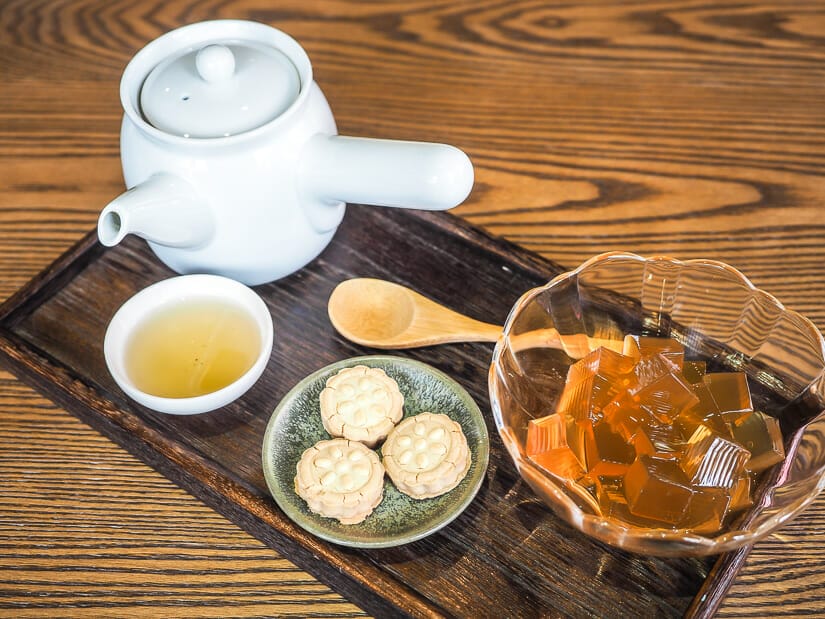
<point>720,317</point>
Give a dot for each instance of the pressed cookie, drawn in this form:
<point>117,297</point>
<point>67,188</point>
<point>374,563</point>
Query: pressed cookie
<point>340,479</point>
<point>426,455</point>
<point>361,404</point>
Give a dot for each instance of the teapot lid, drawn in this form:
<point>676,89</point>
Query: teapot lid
<point>219,90</point>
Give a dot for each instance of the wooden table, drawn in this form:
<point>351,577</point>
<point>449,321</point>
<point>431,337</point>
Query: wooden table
<point>673,127</point>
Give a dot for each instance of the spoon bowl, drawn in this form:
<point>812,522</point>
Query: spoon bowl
<point>381,314</point>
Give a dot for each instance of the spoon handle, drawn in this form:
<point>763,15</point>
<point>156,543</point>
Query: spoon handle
<point>446,328</point>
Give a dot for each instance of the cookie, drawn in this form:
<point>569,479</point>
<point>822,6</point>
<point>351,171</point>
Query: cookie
<point>340,479</point>
<point>361,404</point>
<point>426,455</point>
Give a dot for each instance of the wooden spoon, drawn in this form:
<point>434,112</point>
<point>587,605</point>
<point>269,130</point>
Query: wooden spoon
<point>381,314</point>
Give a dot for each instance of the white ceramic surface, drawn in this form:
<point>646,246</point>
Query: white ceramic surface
<point>219,90</point>
<point>273,194</point>
<point>180,290</point>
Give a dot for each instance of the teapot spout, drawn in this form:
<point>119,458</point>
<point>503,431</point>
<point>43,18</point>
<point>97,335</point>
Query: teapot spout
<point>164,209</point>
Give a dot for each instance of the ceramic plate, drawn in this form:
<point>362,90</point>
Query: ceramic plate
<point>296,425</point>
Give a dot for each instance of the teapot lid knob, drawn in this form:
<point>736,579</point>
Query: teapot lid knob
<point>215,63</point>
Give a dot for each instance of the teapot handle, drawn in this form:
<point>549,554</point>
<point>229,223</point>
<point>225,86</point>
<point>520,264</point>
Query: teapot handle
<point>420,175</point>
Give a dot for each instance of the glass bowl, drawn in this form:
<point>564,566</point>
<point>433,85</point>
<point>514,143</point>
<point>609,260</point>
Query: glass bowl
<point>719,317</point>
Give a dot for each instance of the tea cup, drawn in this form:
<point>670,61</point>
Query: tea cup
<point>129,338</point>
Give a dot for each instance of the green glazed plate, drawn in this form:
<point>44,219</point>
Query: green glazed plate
<point>399,519</point>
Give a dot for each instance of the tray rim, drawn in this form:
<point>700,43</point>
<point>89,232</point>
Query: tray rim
<point>116,421</point>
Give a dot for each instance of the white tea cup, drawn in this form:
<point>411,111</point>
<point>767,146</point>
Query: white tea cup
<point>165,296</point>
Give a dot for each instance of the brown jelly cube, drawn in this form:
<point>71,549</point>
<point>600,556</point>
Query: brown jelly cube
<point>649,369</point>
<point>614,505</point>
<point>711,460</point>
<point>586,398</point>
<point>610,502</point>
<point>618,509</point>
<point>740,494</point>
<point>760,435</point>
<point>693,371</point>
<point>657,489</point>
<point>706,406</point>
<point>602,361</point>
<point>625,416</point>
<point>639,346</point>
<point>707,510</point>
<point>643,445</point>
<point>561,462</point>
<point>593,381</point>
<point>666,397</point>
<point>544,434</point>
<point>689,420</point>
<point>611,454</point>
<point>598,449</point>
<point>607,487</point>
<point>663,441</point>
<point>705,412</point>
<point>580,439</point>
<point>609,493</point>
<point>730,392</point>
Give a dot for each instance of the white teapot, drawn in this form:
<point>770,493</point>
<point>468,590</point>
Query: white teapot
<point>233,161</point>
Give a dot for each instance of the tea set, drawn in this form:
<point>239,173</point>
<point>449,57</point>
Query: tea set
<point>235,169</point>
<point>237,176</point>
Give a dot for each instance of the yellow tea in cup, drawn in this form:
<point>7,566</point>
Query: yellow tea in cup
<point>192,348</point>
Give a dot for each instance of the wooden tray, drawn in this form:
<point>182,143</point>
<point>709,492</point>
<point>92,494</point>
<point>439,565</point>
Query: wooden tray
<point>505,555</point>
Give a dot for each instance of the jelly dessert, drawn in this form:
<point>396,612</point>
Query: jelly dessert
<point>655,438</point>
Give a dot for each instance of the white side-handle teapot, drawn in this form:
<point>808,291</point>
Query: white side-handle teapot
<point>233,161</point>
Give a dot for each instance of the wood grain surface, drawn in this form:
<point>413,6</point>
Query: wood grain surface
<point>686,127</point>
